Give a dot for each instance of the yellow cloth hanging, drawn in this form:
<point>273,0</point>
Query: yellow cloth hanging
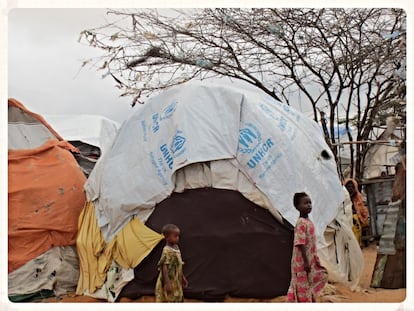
<point>90,246</point>
<point>133,243</point>
<point>128,248</point>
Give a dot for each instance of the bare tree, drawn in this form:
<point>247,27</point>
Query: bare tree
<point>341,62</point>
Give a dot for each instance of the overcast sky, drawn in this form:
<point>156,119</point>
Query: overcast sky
<point>45,57</point>
<point>44,65</point>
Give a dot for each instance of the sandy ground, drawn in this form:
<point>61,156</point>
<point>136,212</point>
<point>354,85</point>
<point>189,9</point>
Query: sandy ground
<point>337,292</point>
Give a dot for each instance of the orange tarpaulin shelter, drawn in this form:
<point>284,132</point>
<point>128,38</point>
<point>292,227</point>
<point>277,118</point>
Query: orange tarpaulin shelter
<point>45,187</point>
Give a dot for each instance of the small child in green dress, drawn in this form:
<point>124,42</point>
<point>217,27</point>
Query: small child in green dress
<point>171,280</point>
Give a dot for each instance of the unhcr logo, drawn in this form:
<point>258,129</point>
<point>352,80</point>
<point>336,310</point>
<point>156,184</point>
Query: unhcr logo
<point>177,144</point>
<point>165,114</point>
<point>250,142</point>
<point>169,111</point>
<point>261,153</point>
<point>249,138</point>
<point>167,155</point>
<point>176,148</point>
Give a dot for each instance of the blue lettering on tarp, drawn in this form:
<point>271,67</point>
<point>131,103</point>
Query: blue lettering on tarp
<point>161,165</point>
<point>158,169</point>
<point>268,111</point>
<point>270,163</point>
<point>176,148</point>
<point>292,133</point>
<point>287,109</point>
<point>249,138</point>
<point>261,153</point>
<point>155,123</point>
<point>167,155</point>
<point>169,111</point>
<point>282,123</point>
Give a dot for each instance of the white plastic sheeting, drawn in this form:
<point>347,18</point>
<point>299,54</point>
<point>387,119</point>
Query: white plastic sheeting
<point>380,158</point>
<point>338,249</point>
<point>56,269</point>
<point>276,148</point>
<point>116,278</point>
<point>25,131</point>
<point>179,127</point>
<point>94,130</point>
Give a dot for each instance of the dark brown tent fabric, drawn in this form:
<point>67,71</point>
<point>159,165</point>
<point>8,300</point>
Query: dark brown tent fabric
<point>230,246</point>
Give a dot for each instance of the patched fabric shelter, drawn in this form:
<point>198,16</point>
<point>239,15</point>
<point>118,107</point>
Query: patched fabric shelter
<point>45,199</point>
<point>222,163</point>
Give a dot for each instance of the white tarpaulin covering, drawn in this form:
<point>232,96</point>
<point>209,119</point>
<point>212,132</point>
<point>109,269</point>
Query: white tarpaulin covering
<point>25,131</point>
<point>56,269</point>
<point>116,278</point>
<point>91,129</point>
<point>339,251</point>
<point>276,148</point>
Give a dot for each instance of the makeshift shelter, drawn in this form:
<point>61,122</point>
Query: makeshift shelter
<point>223,164</point>
<point>390,266</point>
<point>46,196</point>
<point>91,134</point>
<point>381,158</point>
<point>379,171</point>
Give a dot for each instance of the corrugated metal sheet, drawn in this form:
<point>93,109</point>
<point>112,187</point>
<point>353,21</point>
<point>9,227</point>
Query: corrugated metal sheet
<point>379,194</point>
<point>379,271</point>
<point>386,243</point>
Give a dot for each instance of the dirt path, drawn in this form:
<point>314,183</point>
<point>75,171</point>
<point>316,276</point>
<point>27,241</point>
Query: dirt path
<point>366,293</point>
<point>342,293</point>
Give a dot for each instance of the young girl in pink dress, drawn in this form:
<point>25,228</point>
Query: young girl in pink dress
<point>308,276</point>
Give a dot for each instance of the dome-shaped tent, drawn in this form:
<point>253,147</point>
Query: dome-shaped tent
<point>244,155</point>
